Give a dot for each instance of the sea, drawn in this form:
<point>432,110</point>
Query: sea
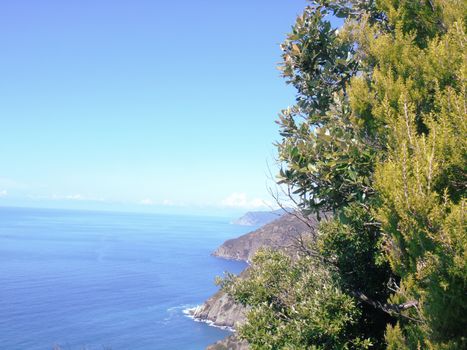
<point>85,280</point>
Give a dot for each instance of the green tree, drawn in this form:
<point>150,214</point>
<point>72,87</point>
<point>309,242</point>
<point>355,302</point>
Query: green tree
<point>377,136</point>
<point>314,314</point>
<point>421,184</point>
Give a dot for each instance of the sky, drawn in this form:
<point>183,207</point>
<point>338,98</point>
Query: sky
<point>144,105</point>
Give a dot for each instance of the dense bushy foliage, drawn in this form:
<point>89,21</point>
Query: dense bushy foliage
<point>378,136</point>
<point>315,314</point>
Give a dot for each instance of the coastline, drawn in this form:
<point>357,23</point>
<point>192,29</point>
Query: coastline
<point>220,310</point>
<point>189,312</point>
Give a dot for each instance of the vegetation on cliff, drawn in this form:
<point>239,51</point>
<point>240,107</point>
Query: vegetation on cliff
<point>378,136</point>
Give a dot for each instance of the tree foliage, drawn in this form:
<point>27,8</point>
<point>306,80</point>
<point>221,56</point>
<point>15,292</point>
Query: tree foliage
<point>378,136</point>
<point>315,314</point>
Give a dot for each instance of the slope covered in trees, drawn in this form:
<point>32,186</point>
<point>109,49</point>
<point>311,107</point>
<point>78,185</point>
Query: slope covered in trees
<point>378,136</point>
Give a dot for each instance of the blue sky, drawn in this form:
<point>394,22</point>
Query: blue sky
<point>141,104</point>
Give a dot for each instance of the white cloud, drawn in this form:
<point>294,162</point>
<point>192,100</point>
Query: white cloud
<point>146,201</point>
<point>3,193</point>
<point>241,200</point>
<point>174,203</point>
<point>74,197</point>
<point>68,197</point>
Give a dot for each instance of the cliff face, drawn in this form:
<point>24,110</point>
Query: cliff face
<point>220,309</point>
<point>278,234</point>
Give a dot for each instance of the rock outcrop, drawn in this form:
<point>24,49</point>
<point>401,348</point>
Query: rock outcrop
<point>279,234</point>
<point>229,343</point>
<point>221,310</point>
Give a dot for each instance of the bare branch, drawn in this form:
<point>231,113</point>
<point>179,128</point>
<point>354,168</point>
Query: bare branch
<point>391,309</point>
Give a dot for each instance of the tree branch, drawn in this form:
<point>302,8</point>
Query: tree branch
<point>392,309</point>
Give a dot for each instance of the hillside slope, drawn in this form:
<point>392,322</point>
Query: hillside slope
<point>279,234</point>
<point>220,309</point>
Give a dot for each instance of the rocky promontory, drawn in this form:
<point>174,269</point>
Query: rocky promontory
<point>279,234</point>
<point>221,310</point>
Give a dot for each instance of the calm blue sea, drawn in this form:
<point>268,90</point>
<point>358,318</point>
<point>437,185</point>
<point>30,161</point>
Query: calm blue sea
<point>98,280</point>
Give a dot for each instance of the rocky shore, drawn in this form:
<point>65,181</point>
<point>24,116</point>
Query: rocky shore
<point>220,310</point>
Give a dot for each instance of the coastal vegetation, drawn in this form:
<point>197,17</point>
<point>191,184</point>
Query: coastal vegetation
<point>377,136</point>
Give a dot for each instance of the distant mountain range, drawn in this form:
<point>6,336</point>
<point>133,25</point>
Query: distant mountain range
<point>259,218</point>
